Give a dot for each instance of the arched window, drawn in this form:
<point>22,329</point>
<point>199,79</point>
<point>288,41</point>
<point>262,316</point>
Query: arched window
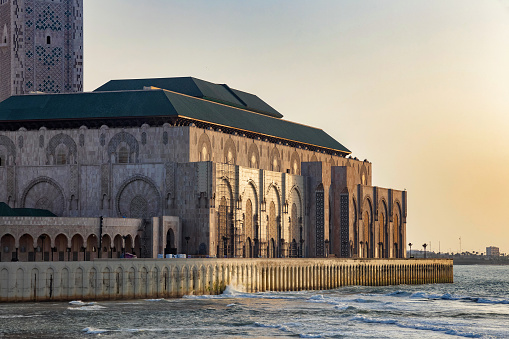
<point>61,156</point>
<point>48,40</point>
<point>123,155</point>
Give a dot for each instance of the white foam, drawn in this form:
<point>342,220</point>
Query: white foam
<point>87,308</point>
<point>92,330</point>
<point>81,303</point>
<point>417,326</point>
<point>161,299</point>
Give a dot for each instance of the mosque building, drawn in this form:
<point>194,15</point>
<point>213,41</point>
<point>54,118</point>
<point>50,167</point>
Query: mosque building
<point>170,165</point>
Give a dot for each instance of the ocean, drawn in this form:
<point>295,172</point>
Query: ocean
<point>475,306</point>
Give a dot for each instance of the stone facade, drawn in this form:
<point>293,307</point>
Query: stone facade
<point>233,195</point>
<point>41,46</point>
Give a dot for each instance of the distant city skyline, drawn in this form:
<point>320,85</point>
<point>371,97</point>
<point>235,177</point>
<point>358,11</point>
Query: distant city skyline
<point>420,89</point>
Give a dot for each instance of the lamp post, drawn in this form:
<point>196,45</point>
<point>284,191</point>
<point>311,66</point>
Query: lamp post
<point>302,248</point>
<point>424,245</point>
<point>326,254</point>
<point>362,252</point>
<point>410,245</point>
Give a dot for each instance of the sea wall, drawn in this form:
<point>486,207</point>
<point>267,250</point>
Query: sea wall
<point>109,279</point>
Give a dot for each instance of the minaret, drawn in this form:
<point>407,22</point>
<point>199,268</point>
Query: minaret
<point>41,46</point>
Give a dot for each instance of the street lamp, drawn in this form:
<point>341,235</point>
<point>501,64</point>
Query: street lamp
<point>424,245</point>
<point>410,245</point>
<point>362,252</point>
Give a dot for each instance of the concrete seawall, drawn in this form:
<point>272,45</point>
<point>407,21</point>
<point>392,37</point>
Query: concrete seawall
<point>110,279</point>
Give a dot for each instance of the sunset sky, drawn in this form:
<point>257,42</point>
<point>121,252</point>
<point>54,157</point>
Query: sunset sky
<point>419,88</point>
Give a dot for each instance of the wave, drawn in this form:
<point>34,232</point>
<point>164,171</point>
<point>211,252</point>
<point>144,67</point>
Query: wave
<point>446,296</point>
<point>417,326</point>
<point>81,303</point>
<point>87,308</point>
<point>345,307</point>
<point>18,316</point>
<point>312,336</point>
<point>92,330</point>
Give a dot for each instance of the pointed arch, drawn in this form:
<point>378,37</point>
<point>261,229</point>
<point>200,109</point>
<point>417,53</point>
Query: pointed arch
<point>138,197</point>
<point>7,151</point>
<point>367,234</point>
<point>253,156</point>
<point>44,193</point>
<point>230,152</point>
<point>295,163</point>
<point>61,150</point>
<point>204,148</point>
<point>126,143</point>
<point>397,231</point>
<point>275,160</point>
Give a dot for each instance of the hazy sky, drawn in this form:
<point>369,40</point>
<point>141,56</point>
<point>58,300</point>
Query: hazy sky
<point>419,88</point>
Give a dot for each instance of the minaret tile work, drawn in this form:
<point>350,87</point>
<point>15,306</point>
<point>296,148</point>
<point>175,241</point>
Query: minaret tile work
<point>41,46</point>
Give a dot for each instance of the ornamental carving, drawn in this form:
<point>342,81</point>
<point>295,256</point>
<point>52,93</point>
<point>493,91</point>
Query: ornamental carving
<point>44,193</point>
<point>138,197</point>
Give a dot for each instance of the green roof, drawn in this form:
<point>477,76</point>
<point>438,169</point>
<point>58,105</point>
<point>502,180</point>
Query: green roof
<point>196,88</point>
<point>158,103</point>
<point>6,211</point>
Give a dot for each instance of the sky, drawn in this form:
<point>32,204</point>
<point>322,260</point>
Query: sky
<point>419,88</point>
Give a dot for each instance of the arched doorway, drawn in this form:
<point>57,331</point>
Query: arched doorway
<point>106,247</point>
<point>137,245</point>
<point>249,248</point>
<point>8,250</point>
<point>77,248</point>
<point>26,248</point>
<point>170,243</point>
<point>129,245</point>
<point>225,240</point>
<point>118,246</point>
<point>396,237</point>
<point>272,248</point>
<point>43,247</point>
<point>60,247</point>
<point>293,249</point>
<point>92,245</point>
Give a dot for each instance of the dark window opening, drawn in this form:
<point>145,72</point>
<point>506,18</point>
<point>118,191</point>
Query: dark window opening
<point>48,40</point>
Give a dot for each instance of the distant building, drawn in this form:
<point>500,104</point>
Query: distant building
<point>41,47</point>
<point>492,251</point>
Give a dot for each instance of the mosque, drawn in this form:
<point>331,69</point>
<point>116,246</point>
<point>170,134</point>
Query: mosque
<point>166,165</point>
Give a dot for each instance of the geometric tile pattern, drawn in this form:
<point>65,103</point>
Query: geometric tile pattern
<point>47,51</point>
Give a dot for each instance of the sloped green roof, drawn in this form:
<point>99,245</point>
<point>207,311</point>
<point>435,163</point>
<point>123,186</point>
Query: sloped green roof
<point>196,88</point>
<point>6,211</point>
<point>156,103</point>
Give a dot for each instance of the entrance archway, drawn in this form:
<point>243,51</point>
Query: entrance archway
<point>170,243</point>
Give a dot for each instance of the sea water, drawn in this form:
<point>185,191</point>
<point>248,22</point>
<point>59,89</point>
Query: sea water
<point>476,305</point>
